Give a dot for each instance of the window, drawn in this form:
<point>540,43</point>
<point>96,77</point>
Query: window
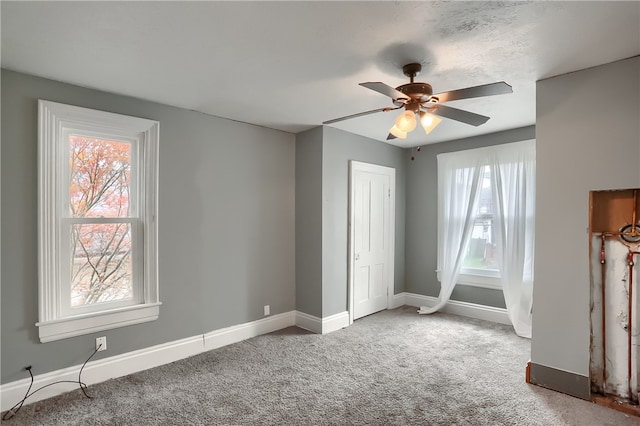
<point>486,198</point>
<point>97,220</point>
<point>486,225</point>
<point>480,265</point>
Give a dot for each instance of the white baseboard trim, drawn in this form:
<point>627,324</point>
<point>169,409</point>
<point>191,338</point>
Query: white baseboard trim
<point>237,333</point>
<point>322,325</point>
<point>397,300</point>
<point>309,322</point>
<point>142,359</point>
<point>335,322</point>
<point>100,370</point>
<point>465,309</point>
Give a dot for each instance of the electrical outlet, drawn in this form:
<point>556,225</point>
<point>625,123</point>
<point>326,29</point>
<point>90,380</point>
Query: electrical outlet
<point>101,343</point>
<point>267,310</point>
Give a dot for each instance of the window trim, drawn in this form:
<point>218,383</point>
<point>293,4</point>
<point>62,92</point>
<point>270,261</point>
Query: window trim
<point>54,120</point>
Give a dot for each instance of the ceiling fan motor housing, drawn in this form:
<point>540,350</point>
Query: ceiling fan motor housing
<point>420,92</point>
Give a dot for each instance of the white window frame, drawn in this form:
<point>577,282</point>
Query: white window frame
<point>55,122</point>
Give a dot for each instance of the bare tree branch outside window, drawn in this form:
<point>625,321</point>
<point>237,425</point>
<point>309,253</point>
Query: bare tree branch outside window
<point>100,187</point>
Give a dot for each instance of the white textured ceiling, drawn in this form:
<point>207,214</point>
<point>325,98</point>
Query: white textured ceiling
<point>292,65</point>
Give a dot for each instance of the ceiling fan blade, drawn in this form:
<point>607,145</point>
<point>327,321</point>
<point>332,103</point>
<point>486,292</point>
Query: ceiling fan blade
<point>458,115</point>
<point>385,90</point>
<point>360,114</point>
<point>499,88</point>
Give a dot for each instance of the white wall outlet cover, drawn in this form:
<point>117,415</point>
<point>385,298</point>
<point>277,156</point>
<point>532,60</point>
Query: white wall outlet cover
<point>101,343</point>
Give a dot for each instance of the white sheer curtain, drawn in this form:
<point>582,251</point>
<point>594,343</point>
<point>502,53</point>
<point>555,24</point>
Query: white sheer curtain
<point>513,171</point>
<point>459,181</point>
<point>458,190</point>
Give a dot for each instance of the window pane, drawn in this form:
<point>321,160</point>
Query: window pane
<point>482,249</point>
<point>485,203</point>
<point>100,177</point>
<point>101,269</point>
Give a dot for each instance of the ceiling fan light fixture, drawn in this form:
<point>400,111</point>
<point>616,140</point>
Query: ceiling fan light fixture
<point>406,121</point>
<point>416,96</point>
<point>395,131</point>
<point>429,121</point>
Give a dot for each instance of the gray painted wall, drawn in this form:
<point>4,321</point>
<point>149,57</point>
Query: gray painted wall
<point>338,148</point>
<point>580,147</point>
<point>422,218</point>
<point>309,222</point>
<point>227,215</point>
<point>226,219</point>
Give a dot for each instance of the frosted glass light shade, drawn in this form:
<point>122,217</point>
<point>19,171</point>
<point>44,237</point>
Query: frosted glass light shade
<point>395,131</point>
<point>429,121</point>
<point>406,121</point>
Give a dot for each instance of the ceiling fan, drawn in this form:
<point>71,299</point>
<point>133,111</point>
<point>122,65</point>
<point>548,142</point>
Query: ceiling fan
<point>418,99</point>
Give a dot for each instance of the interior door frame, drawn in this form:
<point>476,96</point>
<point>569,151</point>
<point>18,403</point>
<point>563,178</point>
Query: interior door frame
<point>355,166</point>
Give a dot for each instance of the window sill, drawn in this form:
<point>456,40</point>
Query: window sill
<point>63,328</point>
<point>479,280</point>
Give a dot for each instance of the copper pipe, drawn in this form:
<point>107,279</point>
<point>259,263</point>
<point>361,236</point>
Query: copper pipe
<point>603,271</point>
<point>617,233</point>
<point>630,262</point>
<point>629,335</point>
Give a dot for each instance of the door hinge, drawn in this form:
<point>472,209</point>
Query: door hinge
<point>389,192</point>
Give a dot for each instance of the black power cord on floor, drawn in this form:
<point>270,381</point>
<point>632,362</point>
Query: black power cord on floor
<point>14,410</point>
